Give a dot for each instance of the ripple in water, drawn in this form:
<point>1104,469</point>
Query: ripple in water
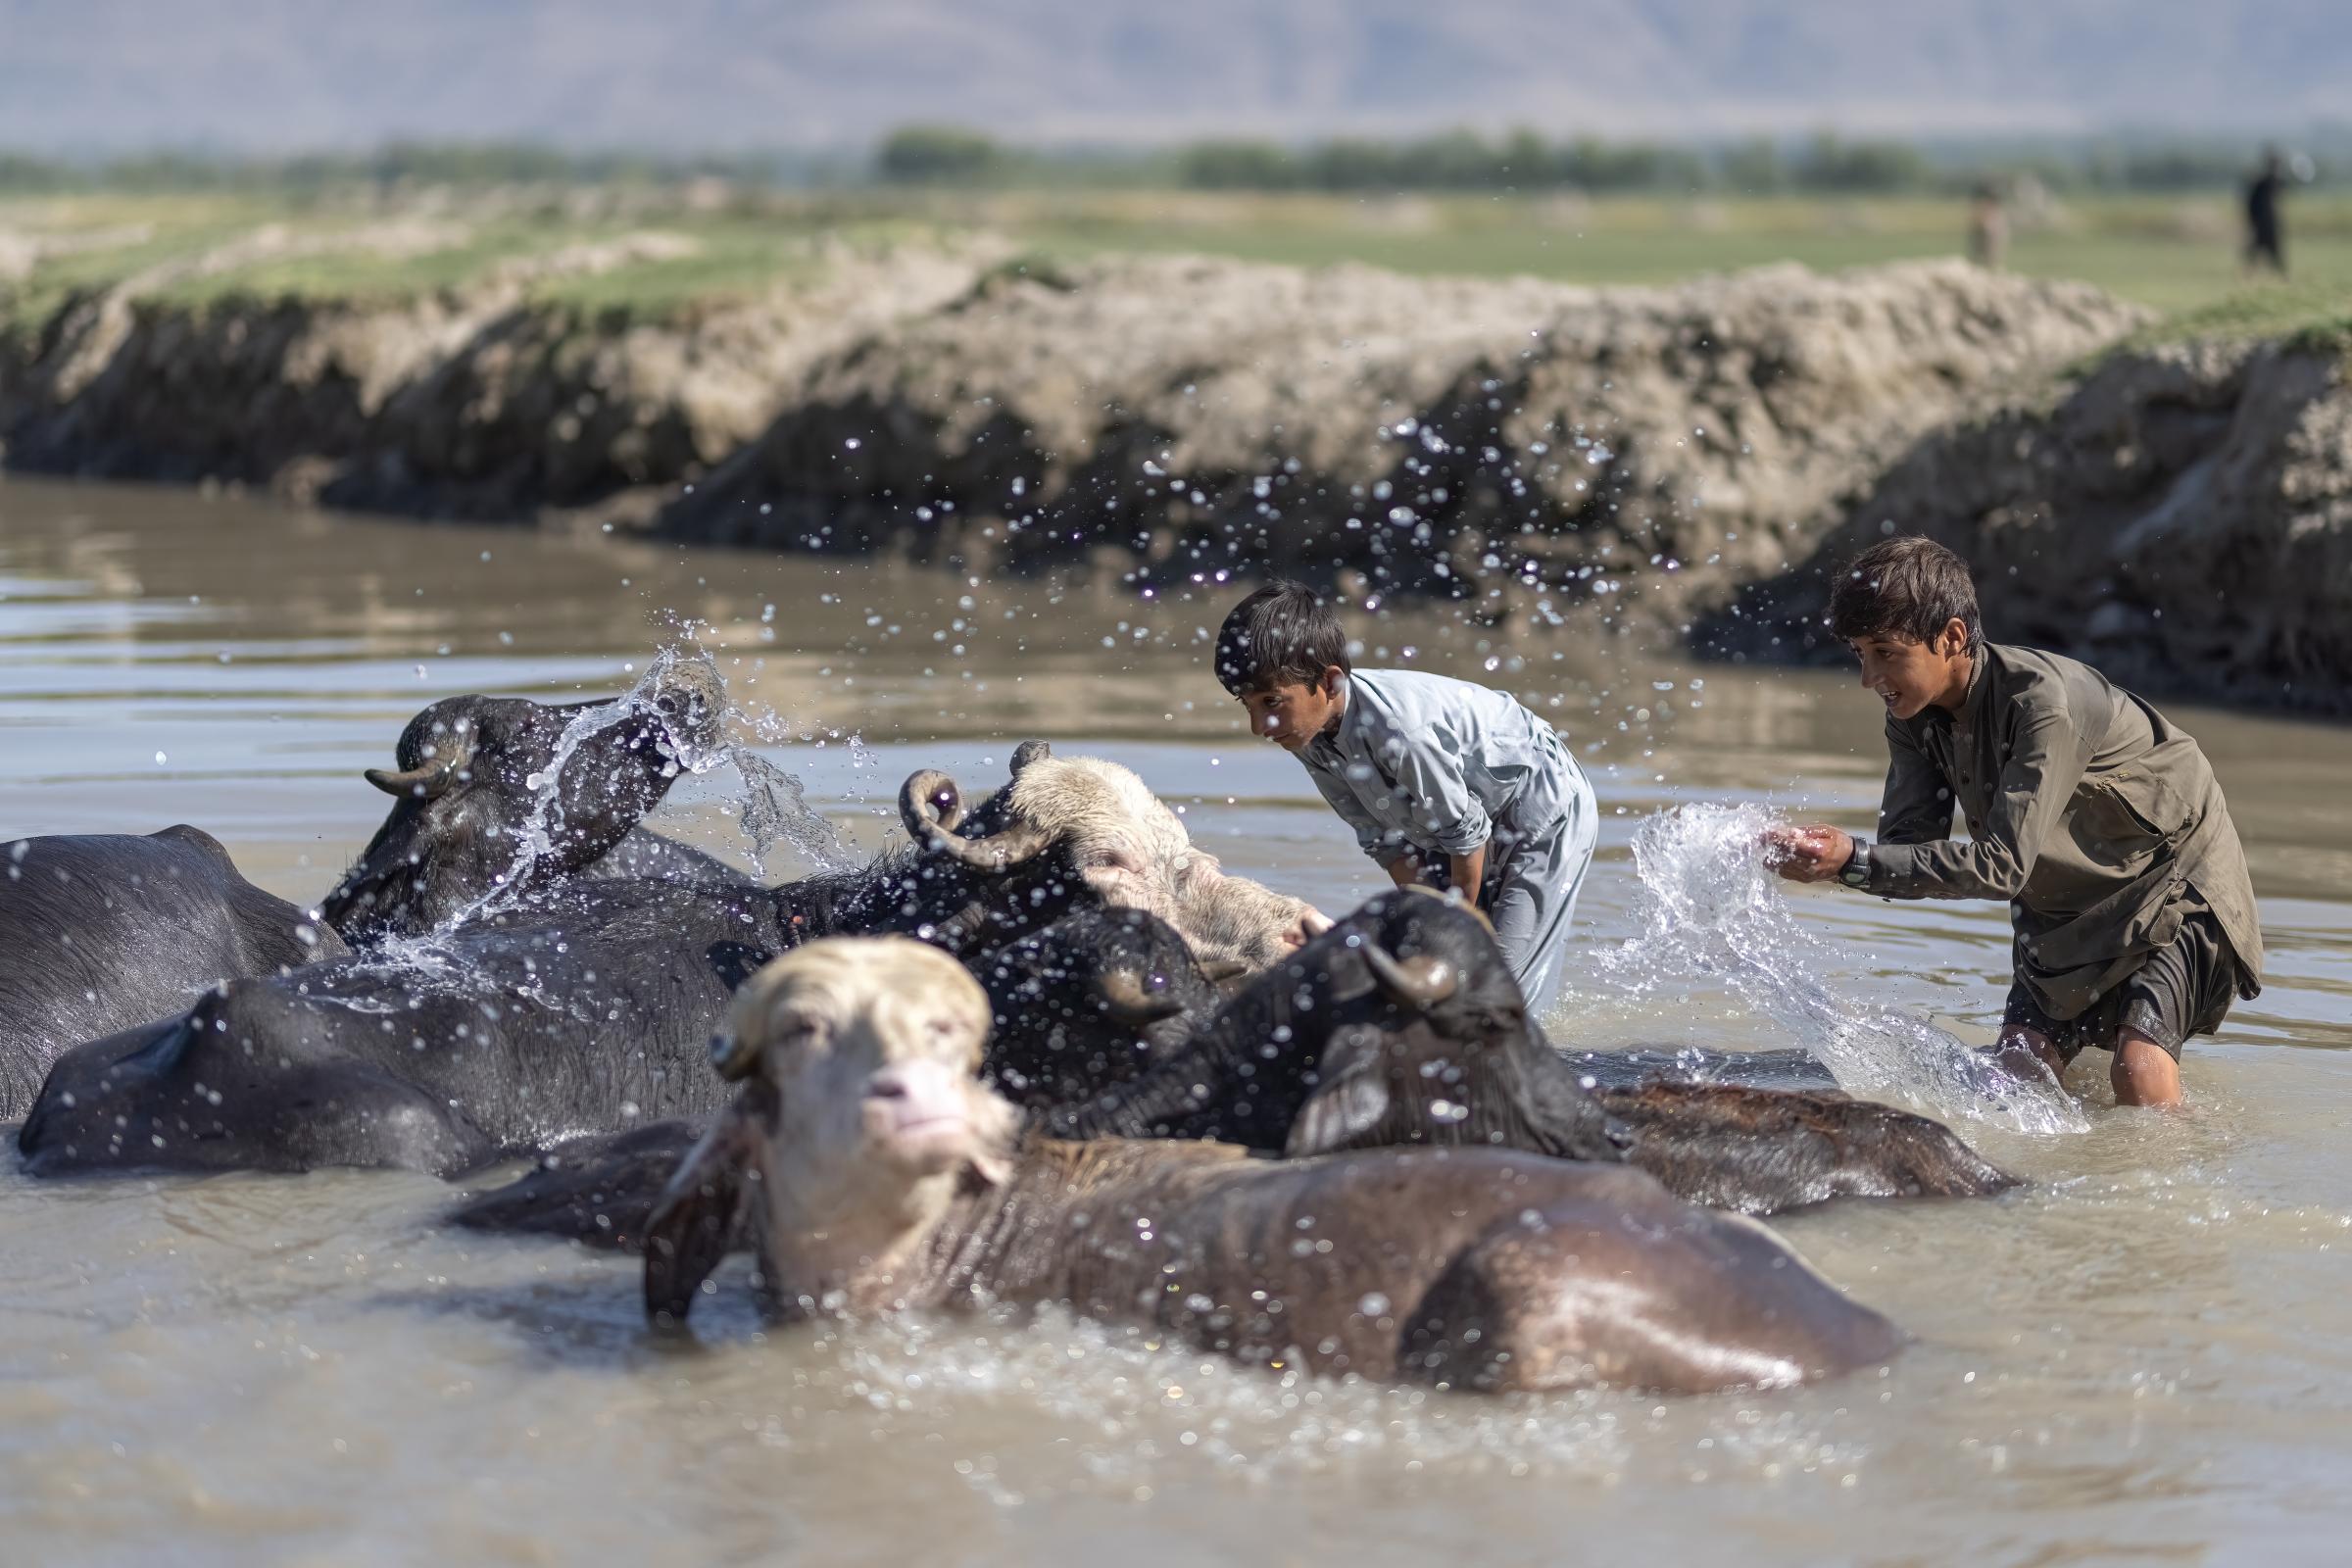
<point>1709,907</point>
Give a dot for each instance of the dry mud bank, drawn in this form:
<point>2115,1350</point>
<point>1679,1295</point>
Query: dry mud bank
<point>2182,515</point>
<point>1522,443</point>
<point>1169,417</point>
<point>477,403</point>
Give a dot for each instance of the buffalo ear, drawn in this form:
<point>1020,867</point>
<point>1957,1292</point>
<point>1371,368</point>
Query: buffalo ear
<point>693,1225</point>
<point>1027,752</point>
<point>1348,1108</point>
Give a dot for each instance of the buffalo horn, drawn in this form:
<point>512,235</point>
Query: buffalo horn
<point>930,807</point>
<point>1125,999</point>
<point>928,803</point>
<point>1421,981</point>
<point>423,781</point>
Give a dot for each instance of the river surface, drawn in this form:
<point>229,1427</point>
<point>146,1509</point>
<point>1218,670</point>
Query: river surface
<point>2145,1354</point>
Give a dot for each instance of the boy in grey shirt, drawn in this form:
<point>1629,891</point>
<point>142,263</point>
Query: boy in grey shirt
<point>1446,783</point>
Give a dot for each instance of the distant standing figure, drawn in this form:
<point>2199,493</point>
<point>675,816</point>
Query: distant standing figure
<point>1987,226</point>
<point>2265,245</point>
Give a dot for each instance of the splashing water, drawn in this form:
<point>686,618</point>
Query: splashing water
<point>541,835</point>
<point>775,808</point>
<point>1710,907</point>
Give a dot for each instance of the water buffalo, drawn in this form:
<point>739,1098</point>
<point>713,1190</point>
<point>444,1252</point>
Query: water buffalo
<point>498,1040</point>
<point>1088,1002</point>
<point>104,931</point>
<point>472,814</point>
<point>1402,1025</point>
<point>1124,843</point>
<point>874,1173</point>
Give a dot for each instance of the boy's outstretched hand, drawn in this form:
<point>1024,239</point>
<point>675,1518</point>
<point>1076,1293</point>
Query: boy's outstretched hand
<point>1811,854</point>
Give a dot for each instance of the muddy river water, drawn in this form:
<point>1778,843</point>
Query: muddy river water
<point>2145,1354</point>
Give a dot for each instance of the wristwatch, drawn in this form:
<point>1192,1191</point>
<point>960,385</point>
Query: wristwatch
<point>1857,870</point>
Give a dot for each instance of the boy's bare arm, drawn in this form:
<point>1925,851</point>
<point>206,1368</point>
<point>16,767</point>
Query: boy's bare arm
<point>1467,873</point>
<point>1405,872</point>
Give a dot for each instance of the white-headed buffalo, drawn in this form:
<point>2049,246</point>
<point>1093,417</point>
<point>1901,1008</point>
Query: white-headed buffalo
<point>1123,842</point>
<point>874,1173</point>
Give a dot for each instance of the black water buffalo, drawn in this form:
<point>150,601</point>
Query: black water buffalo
<point>498,1040</point>
<point>1088,1002</point>
<point>102,931</point>
<point>1402,1025</point>
<point>873,1173</point>
<point>472,814</point>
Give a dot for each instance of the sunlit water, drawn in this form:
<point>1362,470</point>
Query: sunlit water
<point>2142,1354</point>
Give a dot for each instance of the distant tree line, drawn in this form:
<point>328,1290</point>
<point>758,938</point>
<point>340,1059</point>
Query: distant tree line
<point>1525,162</point>
<point>1456,161</point>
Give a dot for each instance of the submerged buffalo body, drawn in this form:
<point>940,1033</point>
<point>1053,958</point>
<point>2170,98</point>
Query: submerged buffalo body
<point>492,1041</point>
<point>870,1170</point>
<point>99,932</point>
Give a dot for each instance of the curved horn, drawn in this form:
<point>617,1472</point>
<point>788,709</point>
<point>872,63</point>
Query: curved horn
<point>1421,981</point>
<point>1125,999</point>
<point>930,807</point>
<point>1216,971</point>
<point>1026,752</point>
<point>423,781</point>
<point>929,802</point>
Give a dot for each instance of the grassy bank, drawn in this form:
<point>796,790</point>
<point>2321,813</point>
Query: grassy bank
<point>659,252</point>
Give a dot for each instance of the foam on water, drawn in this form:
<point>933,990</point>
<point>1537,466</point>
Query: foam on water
<point>1710,907</point>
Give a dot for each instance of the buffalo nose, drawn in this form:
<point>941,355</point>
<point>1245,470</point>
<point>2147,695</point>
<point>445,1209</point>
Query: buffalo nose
<point>887,1084</point>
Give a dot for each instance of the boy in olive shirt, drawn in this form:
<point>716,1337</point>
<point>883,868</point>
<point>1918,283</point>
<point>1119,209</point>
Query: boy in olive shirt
<point>1446,783</point>
<point>2095,817</point>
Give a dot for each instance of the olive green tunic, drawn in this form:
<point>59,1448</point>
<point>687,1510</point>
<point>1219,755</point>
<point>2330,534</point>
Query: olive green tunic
<point>2100,822</point>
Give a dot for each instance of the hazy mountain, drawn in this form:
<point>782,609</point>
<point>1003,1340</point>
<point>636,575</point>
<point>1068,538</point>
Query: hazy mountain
<point>272,74</point>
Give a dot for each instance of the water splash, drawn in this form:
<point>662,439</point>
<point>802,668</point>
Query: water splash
<point>775,808</point>
<point>546,827</point>
<point>1710,907</point>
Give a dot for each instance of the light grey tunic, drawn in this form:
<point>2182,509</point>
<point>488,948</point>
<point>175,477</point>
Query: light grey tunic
<point>1424,766</point>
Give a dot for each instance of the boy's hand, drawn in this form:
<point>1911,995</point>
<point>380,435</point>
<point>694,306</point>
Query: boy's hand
<point>1812,854</point>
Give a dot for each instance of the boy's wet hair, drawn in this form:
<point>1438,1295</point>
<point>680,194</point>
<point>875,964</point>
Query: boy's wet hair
<point>1910,588</point>
<point>1282,635</point>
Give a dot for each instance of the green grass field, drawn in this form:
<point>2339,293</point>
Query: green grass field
<point>2175,255</point>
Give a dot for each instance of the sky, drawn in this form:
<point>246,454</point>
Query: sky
<point>280,76</point>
